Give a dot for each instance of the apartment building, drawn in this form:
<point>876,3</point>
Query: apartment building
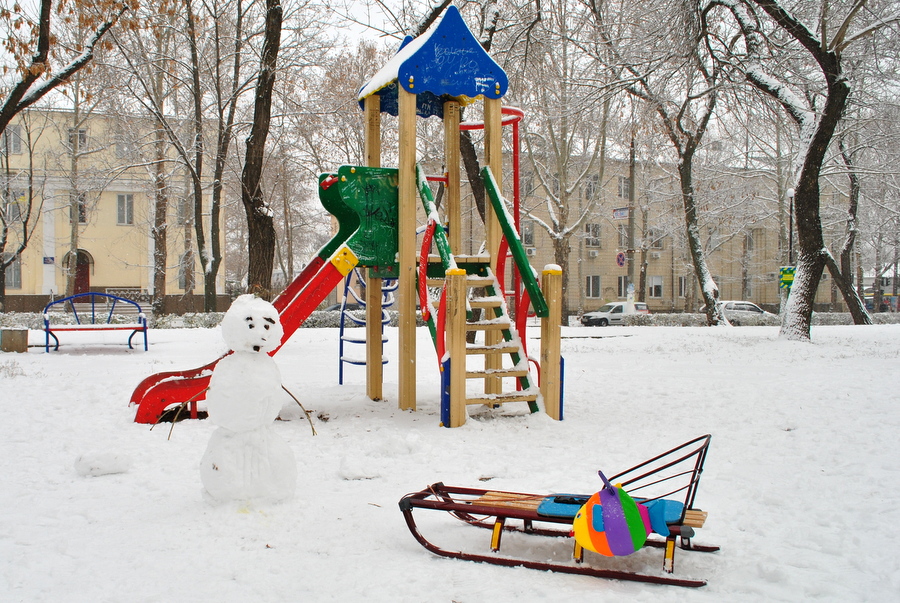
<point>86,186</point>
<point>636,239</point>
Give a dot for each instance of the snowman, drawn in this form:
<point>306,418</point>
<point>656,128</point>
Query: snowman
<point>245,459</point>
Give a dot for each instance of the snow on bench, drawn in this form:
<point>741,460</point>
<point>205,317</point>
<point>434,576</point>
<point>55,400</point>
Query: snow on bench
<point>94,312</point>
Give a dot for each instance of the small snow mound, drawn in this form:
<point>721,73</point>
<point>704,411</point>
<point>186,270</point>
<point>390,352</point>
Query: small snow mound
<point>102,463</point>
<point>358,469</point>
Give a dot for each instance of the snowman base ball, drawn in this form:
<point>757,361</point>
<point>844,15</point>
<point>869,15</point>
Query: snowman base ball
<point>248,465</point>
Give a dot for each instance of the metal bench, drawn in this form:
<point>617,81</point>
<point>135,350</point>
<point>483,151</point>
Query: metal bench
<point>96,312</point>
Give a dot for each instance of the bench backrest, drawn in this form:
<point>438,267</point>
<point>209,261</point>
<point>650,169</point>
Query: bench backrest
<point>95,307</point>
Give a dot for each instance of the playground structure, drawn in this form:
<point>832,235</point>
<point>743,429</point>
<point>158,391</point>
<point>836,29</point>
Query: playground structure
<point>375,208</point>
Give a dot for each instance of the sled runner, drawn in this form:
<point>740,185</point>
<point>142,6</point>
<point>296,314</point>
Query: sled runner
<point>666,485</point>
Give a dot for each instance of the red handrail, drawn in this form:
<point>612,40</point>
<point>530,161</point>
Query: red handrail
<point>424,302</point>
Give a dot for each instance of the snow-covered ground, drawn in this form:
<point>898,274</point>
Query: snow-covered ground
<point>802,482</point>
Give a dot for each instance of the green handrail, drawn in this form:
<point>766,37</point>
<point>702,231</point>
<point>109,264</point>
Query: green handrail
<point>529,280</point>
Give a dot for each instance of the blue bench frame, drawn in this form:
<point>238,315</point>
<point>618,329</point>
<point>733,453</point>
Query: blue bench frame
<point>99,320</point>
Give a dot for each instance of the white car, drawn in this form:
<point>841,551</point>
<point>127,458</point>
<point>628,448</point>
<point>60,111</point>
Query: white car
<point>612,314</point>
<point>738,311</point>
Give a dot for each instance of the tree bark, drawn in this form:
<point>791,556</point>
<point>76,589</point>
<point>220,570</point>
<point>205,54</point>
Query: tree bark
<point>161,206</point>
<point>260,222</point>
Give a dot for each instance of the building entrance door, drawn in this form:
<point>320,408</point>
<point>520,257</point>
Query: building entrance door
<point>82,273</point>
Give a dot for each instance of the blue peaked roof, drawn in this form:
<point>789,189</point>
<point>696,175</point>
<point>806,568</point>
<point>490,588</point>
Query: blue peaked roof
<point>444,62</point>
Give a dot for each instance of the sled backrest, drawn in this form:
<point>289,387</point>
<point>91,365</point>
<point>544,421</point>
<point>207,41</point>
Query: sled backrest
<point>673,475</point>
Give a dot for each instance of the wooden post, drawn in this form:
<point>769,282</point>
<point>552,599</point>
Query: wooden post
<point>451,157</point>
<point>456,344</point>
<point>493,147</point>
<point>551,285</point>
<point>374,345</point>
<point>493,151</point>
<point>373,130</point>
<point>406,289</point>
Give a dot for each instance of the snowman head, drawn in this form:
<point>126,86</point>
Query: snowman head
<point>252,325</point>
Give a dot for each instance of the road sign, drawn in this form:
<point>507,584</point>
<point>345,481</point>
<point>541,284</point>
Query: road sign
<point>620,259</point>
<point>786,277</point>
<point>620,213</point>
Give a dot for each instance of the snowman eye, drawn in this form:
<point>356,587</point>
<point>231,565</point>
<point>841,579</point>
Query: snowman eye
<point>250,324</point>
<point>266,327</point>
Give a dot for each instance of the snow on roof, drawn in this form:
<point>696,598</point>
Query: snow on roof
<point>445,61</point>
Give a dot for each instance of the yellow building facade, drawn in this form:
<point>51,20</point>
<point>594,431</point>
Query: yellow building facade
<point>85,185</point>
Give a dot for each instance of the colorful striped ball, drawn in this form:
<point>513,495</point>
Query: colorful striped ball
<point>611,523</point>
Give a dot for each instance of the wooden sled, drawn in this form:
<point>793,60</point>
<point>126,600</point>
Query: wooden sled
<point>672,477</point>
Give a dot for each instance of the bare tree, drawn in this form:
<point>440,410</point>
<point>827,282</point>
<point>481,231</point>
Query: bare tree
<point>34,47</point>
<point>566,132</point>
<point>680,83</point>
<point>207,61</point>
<point>802,68</point>
<point>260,223</point>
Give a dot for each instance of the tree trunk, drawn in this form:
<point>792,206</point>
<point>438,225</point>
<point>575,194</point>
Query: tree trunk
<point>161,205</point>
<point>473,170</point>
<point>811,244</point>
<point>2,286</point>
<point>708,289</point>
<point>260,222</point>
<point>843,273</point>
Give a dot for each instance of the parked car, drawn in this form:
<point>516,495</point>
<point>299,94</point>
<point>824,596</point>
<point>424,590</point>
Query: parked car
<point>738,311</point>
<point>612,314</point>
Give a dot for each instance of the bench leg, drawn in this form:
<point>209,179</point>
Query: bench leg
<point>133,333</point>
<point>47,341</point>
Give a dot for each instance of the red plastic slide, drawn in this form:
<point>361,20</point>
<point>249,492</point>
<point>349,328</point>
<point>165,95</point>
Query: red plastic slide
<point>157,392</point>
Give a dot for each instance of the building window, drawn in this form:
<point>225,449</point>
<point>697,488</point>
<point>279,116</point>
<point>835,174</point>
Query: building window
<point>592,187</point>
<point>13,271</point>
<point>12,209</point>
<point>528,233</point>
<point>592,234</point>
<point>181,211</point>
<point>125,213</point>
<point>624,187</point>
<point>655,286</point>
<point>654,239</point>
<point>622,286</point>
<point>78,207</point>
<point>592,286</point>
<point>682,286</point>
<point>79,135</point>
<point>11,142</point>
<point>622,229</point>
<point>184,264</point>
